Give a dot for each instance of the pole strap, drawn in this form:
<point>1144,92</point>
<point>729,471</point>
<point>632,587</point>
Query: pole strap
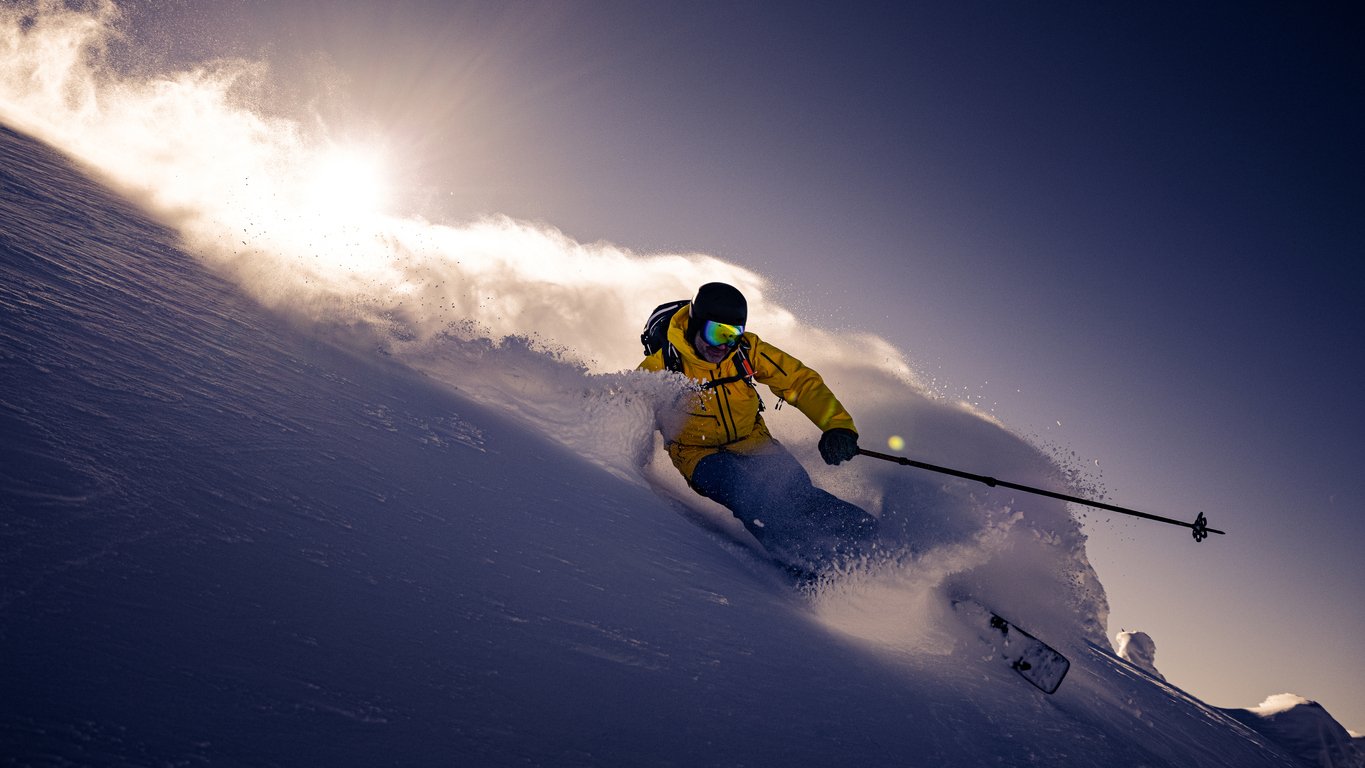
<point>1200,526</point>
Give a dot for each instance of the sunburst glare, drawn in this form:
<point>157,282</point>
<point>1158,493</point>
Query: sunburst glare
<point>347,182</point>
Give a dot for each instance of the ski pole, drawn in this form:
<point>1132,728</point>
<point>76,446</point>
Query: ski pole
<point>1200,526</point>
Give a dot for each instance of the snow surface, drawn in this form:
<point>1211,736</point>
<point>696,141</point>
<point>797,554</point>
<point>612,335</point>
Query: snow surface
<point>249,536</point>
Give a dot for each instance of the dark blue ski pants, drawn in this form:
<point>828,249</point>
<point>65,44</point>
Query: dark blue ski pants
<point>772,495</point>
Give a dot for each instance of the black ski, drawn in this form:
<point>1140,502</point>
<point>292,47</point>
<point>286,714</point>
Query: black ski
<point>1034,660</point>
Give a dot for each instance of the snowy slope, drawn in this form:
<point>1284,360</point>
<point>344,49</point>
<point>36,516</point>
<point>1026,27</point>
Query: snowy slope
<point>1306,730</point>
<point>233,538</point>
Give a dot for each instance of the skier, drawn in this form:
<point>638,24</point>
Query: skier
<point>718,441</point>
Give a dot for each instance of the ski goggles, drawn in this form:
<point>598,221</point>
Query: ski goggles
<point>721,334</point>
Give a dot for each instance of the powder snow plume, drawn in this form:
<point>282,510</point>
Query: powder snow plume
<point>516,314</point>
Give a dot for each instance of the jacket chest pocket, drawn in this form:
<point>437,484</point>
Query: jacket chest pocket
<point>738,409</point>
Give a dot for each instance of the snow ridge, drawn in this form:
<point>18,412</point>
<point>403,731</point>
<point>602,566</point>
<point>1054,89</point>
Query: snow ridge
<point>1305,730</point>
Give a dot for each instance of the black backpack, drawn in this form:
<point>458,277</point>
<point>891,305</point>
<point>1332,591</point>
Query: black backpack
<point>655,337</point>
<point>655,334</point>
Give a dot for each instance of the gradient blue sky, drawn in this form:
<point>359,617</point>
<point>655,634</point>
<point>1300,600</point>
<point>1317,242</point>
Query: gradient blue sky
<point>1131,232</point>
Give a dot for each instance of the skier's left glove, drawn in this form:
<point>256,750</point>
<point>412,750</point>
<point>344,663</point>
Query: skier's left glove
<point>838,445</point>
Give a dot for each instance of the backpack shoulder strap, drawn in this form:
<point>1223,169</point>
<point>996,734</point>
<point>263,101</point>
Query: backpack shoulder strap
<point>672,358</point>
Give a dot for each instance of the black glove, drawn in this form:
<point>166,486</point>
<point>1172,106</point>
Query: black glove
<point>838,445</point>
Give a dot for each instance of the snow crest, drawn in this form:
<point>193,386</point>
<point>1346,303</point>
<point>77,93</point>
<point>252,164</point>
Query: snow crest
<point>1138,649</point>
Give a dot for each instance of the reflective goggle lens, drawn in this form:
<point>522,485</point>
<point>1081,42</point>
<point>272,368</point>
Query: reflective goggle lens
<point>721,334</point>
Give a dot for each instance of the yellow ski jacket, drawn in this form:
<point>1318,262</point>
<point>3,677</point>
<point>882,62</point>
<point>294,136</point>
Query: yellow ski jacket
<point>727,417</point>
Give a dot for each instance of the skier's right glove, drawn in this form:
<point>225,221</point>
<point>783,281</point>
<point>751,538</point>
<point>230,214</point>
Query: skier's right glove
<point>838,445</point>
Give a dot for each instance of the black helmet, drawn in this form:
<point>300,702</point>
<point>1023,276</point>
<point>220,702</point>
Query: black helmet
<point>716,301</point>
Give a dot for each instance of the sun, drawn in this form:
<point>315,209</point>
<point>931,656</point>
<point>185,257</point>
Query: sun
<point>347,182</point>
